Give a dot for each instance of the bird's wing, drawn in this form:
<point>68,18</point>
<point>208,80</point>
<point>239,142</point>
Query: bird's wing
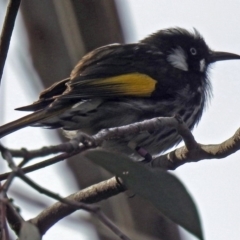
<point>111,71</point>
<point>115,71</point>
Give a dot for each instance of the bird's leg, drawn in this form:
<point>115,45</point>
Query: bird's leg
<point>141,151</point>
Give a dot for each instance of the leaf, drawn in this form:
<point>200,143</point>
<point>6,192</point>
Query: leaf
<point>159,187</point>
<point>29,232</point>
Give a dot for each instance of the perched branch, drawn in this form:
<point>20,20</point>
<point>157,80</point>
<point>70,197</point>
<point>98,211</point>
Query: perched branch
<point>70,148</point>
<point>200,152</point>
<point>150,125</point>
<point>192,151</point>
<point>103,135</point>
<point>7,29</point>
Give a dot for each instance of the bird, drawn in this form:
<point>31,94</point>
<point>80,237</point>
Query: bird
<point>165,74</point>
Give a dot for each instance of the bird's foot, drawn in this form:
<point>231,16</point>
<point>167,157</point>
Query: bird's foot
<point>83,138</point>
<point>141,151</point>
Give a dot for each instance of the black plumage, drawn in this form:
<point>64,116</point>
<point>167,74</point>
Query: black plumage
<point>162,75</point>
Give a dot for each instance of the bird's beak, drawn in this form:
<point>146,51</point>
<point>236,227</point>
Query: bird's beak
<point>221,56</point>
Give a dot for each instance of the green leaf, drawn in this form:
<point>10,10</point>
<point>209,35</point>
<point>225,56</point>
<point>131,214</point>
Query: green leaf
<point>159,187</point>
<point>29,232</point>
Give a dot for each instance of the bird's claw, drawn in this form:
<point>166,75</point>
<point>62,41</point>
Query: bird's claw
<point>83,138</point>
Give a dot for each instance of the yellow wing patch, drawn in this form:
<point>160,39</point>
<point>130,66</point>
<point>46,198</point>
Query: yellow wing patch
<point>133,84</point>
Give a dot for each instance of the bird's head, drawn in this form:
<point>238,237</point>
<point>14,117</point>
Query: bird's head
<point>186,50</point>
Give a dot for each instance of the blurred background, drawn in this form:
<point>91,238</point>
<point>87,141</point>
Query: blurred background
<point>50,37</point>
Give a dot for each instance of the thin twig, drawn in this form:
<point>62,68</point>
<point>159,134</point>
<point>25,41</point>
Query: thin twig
<point>3,225</point>
<point>74,204</point>
<point>42,152</point>
<point>93,194</point>
<point>5,39</point>
<point>7,30</point>
<point>77,205</point>
<point>8,157</point>
<point>43,164</point>
<point>54,195</point>
<point>14,218</point>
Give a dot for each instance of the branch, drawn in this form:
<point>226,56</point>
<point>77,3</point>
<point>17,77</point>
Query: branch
<point>70,203</point>
<point>44,164</point>
<point>95,193</point>
<point>7,29</point>
<point>73,204</point>
<point>15,220</point>
<point>192,151</point>
<point>71,148</point>
<point>182,155</point>
<point>189,153</point>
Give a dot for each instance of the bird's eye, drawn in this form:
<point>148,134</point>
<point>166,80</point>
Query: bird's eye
<point>193,51</point>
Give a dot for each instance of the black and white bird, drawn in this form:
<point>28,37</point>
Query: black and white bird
<point>162,75</point>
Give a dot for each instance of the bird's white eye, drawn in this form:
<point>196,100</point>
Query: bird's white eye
<point>193,51</point>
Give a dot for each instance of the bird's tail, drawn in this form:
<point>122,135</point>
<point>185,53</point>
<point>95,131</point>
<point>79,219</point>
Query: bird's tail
<point>25,121</point>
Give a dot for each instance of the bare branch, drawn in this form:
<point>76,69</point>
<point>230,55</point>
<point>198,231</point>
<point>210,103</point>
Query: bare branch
<point>65,206</point>
<point>71,203</point>
<point>103,135</point>
<point>93,194</point>
<point>7,29</point>
<point>14,218</point>
<point>192,152</point>
<point>42,164</point>
<point>183,155</point>
<point>3,224</point>
<point>189,153</point>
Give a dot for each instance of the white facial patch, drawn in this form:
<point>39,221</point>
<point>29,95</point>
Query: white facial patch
<point>178,59</point>
<point>202,65</point>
